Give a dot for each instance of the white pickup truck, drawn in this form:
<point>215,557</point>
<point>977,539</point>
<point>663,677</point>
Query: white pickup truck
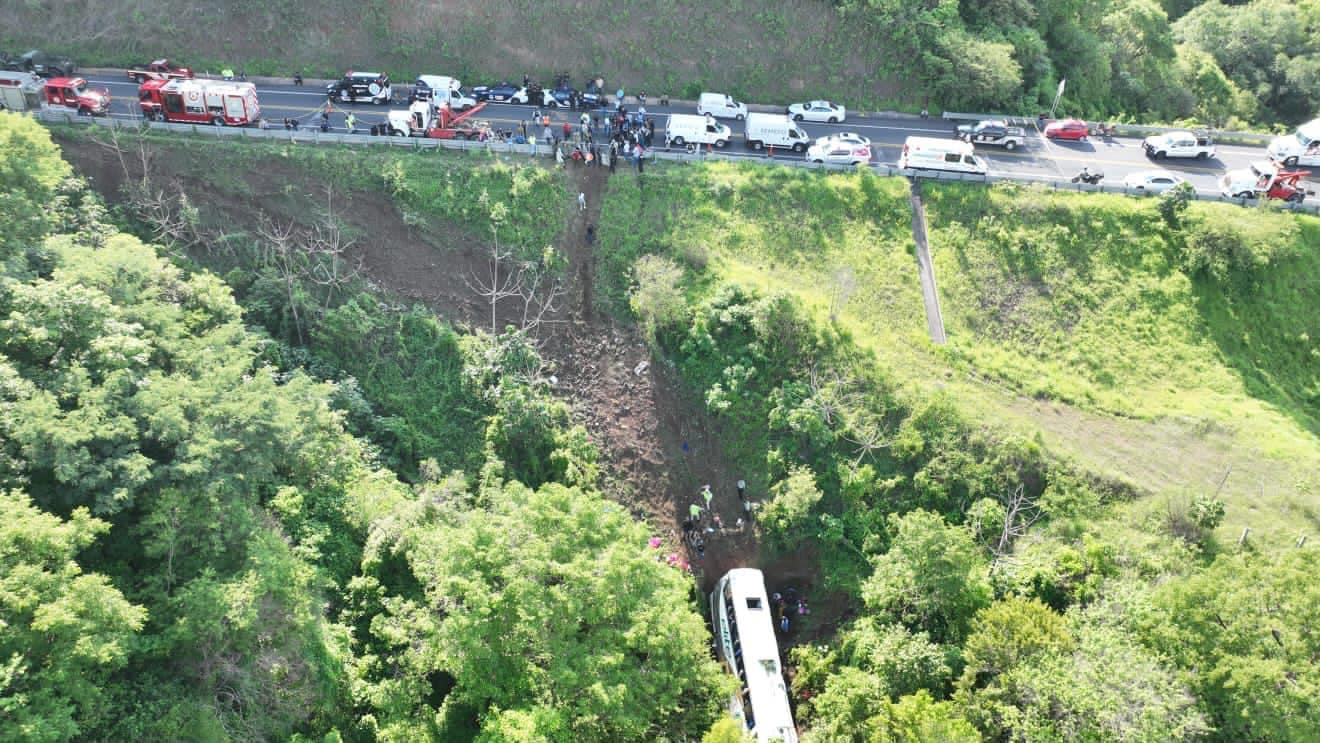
<point>1179,144</point>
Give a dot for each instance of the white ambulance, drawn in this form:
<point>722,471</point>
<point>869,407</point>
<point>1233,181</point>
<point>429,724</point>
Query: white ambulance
<point>928,153</point>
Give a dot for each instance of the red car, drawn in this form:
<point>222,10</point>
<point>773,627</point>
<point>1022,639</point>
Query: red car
<point>1074,129</point>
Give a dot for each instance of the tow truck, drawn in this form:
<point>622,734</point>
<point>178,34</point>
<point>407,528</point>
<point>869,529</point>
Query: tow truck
<point>159,69</point>
<point>1264,180</point>
<point>422,119</point>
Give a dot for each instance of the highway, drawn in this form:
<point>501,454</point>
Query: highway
<point>1040,158</point>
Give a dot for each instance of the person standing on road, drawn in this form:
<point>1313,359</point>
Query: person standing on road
<point>349,121</point>
<point>531,145</point>
<point>582,201</point>
<point>707,495</point>
<point>695,511</point>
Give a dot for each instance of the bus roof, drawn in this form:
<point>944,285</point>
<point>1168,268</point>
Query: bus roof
<point>760,652</point>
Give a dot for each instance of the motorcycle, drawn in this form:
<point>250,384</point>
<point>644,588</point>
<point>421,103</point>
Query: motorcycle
<point>1088,177</point>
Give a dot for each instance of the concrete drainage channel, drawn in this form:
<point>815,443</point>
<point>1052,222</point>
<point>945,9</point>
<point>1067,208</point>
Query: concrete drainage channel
<point>316,137</point>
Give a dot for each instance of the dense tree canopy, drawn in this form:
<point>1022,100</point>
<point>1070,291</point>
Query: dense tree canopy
<point>548,607</point>
<point>195,548</point>
<point>1118,58</point>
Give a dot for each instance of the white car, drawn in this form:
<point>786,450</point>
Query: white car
<point>1152,181</point>
<point>839,152</point>
<point>829,113</point>
<point>848,137</point>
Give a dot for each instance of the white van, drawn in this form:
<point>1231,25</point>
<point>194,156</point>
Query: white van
<point>927,153</point>
<point>443,90</point>
<point>685,129</point>
<point>775,130</point>
<point>721,105</point>
<point>1302,147</point>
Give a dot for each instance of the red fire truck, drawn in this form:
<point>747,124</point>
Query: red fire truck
<point>73,94</point>
<point>200,102</point>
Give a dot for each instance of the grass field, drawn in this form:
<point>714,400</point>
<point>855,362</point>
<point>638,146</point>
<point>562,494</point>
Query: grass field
<point>767,52</point>
<point>1068,316</point>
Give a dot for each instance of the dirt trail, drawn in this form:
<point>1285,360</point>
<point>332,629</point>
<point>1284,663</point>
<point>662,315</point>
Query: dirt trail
<point>659,447</point>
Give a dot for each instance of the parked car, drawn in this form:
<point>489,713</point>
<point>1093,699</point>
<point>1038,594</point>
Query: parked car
<point>373,87</point>
<point>852,138</point>
<point>41,63</point>
<point>839,152</point>
<point>563,95</point>
<point>993,132</point>
<point>824,111</point>
<point>1074,129</point>
<point>1152,181</point>
<point>505,92</point>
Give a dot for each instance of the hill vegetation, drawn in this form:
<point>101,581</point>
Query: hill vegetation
<point>1225,65</point>
<point>280,506</point>
<point>1004,583</point>
<point>195,547</point>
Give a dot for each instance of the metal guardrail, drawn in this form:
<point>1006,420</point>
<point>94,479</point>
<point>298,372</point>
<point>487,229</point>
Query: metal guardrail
<point>316,136</point>
<point>1255,138</point>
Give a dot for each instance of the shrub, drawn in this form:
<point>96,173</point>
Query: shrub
<point>657,299</point>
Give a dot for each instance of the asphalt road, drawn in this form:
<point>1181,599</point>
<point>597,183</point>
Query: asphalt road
<point>1115,157</point>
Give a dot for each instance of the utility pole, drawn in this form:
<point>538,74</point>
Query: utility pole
<point>1059,94</point>
<point>925,267</point>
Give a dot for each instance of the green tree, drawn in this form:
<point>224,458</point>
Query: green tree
<point>1240,632</point>
<point>905,662</point>
<point>933,577</point>
<point>918,718</point>
<point>31,173</point>
<point>64,630</point>
<point>657,297</point>
<point>1008,633</point>
<point>786,515</point>
<point>1268,48</point>
<point>1105,688</point>
<point>726,730</point>
<point>551,600</point>
<point>1218,99</point>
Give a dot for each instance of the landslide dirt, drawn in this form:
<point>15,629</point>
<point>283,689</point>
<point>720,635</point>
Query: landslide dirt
<point>658,446</point>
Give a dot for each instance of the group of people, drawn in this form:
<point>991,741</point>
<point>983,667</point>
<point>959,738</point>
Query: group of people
<point>786,603</point>
<point>703,520</point>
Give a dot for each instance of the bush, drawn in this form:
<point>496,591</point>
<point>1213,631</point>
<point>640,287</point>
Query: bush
<point>657,299</point>
<point>1218,250</point>
<point>785,515</point>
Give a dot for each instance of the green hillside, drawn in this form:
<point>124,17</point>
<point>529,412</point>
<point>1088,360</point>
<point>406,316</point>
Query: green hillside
<point>1159,357</point>
<point>274,470</point>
